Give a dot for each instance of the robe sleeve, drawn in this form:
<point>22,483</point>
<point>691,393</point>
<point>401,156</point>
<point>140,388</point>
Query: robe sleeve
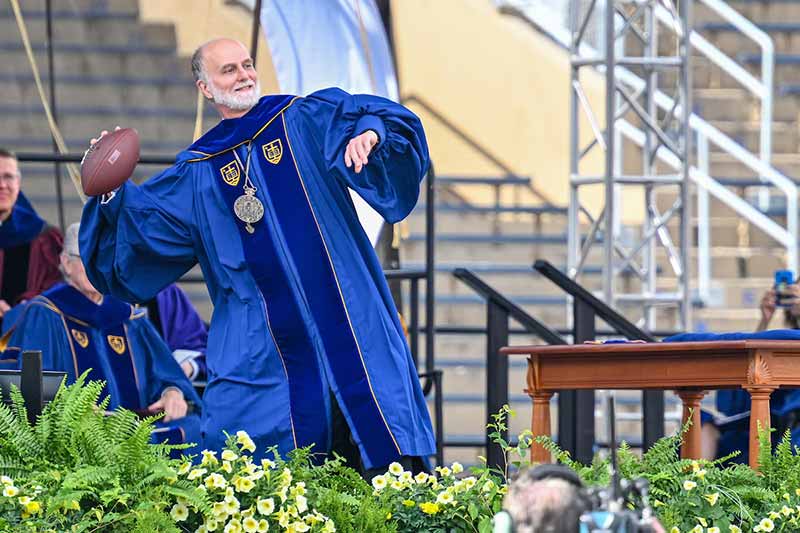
<point>397,164</point>
<point>161,369</point>
<point>140,240</point>
<point>43,270</point>
<point>182,326</point>
<point>40,328</point>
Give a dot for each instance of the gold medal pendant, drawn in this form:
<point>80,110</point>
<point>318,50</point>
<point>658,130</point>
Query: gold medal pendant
<point>249,209</point>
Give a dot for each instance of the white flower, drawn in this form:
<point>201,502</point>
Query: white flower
<point>457,468</point>
<point>398,485</point>
<point>697,529</point>
<point>765,525</point>
<point>713,530</point>
<point>209,457</point>
<point>266,464</point>
<point>196,473</point>
<point>421,478</point>
<point>328,527</point>
<point>244,440</point>
<point>302,503</point>
<point>689,485</point>
<point>406,477</point>
<point>234,526</point>
<point>300,527</point>
<point>712,498</point>
<point>445,498</point>
<point>379,482</point>
<point>263,526</point>
<point>211,524</point>
<point>396,468</point>
<point>488,486</point>
<point>674,529</point>
<point>250,524</point>
<point>231,505</point>
<point>5,480</point>
<point>734,529</point>
<point>265,507</point>
<point>469,482</point>
<point>785,511</point>
<point>10,491</point>
<point>228,455</point>
<point>215,481</point>
<point>443,470</point>
<point>179,512</point>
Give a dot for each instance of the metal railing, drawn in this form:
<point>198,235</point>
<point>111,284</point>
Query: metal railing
<point>707,135</point>
<point>576,408</point>
<point>499,310</point>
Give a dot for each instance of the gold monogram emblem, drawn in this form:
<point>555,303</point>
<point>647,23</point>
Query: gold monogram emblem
<point>80,337</point>
<point>117,344</point>
<point>230,173</point>
<point>273,151</point>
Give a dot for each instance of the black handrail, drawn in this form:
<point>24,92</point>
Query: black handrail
<point>576,408</point>
<point>611,317</point>
<point>498,311</point>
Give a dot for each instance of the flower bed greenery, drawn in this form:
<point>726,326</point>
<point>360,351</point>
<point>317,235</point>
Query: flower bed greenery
<point>79,471</point>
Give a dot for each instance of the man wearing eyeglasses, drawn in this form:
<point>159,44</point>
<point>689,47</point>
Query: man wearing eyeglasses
<point>29,247</point>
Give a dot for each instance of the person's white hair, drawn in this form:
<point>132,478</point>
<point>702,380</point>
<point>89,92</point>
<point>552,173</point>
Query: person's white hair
<point>71,246</point>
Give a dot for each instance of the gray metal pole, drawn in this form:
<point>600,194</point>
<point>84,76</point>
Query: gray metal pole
<point>608,235</point>
<point>686,103</point>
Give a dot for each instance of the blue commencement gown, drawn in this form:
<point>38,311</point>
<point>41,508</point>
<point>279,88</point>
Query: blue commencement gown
<point>117,342</point>
<point>301,306</point>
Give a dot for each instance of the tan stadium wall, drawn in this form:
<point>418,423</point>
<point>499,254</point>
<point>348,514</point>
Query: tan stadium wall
<point>503,84</point>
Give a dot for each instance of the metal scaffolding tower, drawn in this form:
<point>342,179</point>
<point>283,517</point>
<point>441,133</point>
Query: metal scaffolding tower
<point>629,43</point>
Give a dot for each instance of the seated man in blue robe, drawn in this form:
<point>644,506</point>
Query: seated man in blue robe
<point>728,430</point>
<point>305,346</point>
<point>78,329</point>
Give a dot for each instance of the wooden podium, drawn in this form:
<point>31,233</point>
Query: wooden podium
<point>689,368</point>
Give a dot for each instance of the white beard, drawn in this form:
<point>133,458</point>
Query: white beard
<point>234,100</point>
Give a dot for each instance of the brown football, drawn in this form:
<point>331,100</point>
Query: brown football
<point>110,162</point>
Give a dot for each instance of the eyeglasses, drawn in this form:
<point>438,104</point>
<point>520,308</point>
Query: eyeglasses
<point>8,178</point>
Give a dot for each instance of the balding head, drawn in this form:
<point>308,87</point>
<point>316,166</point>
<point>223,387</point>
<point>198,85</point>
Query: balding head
<point>224,71</point>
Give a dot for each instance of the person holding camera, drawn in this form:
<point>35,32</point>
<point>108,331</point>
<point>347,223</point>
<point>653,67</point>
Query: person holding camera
<point>784,294</point>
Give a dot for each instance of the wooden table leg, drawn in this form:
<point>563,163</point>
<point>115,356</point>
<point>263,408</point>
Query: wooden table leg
<point>692,446</point>
<point>759,418</point>
<point>540,425</point>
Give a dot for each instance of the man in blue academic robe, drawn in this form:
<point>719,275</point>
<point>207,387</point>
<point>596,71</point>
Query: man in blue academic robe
<point>77,329</point>
<point>304,326</point>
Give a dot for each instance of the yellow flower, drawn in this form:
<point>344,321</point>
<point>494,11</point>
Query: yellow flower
<point>765,525</point>
<point>228,455</point>
<point>773,515</point>
<point>74,505</point>
<point>697,529</point>
<point>266,464</point>
<point>469,482</point>
<point>713,530</point>
<point>211,524</point>
<point>429,508</point>
<point>396,468</point>
<point>388,516</point>
<point>244,440</point>
<point>215,481</point>
<point>734,529</point>
<point>231,505</point>
<point>488,486</point>
<point>265,507</point>
<point>406,478</point>
<point>286,477</point>
<point>329,527</point>
<point>5,480</point>
<point>700,474</point>
<point>443,470</point>
<point>302,504</point>
<point>250,524</point>
<point>674,530</point>
<point>24,500</point>
<point>797,492</point>
<point>263,526</point>
<point>243,484</point>
<point>226,467</point>
<point>398,485</point>
<point>409,503</point>
<point>421,478</point>
<point>695,466</point>
<point>379,482</point>
<point>299,488</point>
<point>457,468</point>
<point>689,485</point>
<point>297,527</point>
<point>10,491</point>
<point>786,496</point>
<point>179,512</point>
<point>702,521</point>
<point>445,497</point>
<point>33,507</point>
<point>209,458</point>
<point>196,473</point>
<point>234,526</point>
<point>219,510</point>
<point>785,511</point>
<point>712,498</point>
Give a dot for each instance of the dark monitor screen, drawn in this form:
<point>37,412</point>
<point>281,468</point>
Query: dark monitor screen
<point>51,381</point>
